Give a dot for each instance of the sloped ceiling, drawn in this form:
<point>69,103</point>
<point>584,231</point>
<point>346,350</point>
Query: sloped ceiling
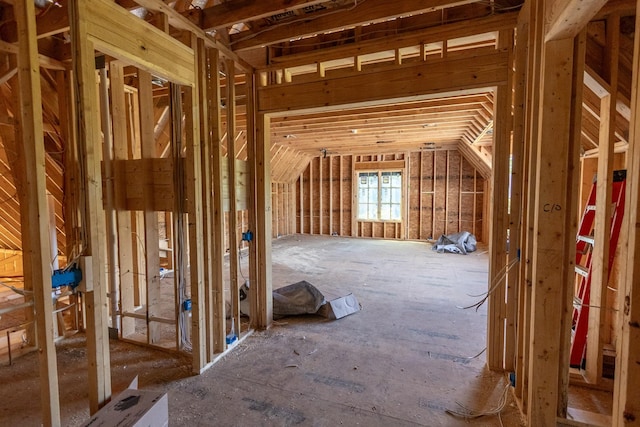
<point>265,33</point>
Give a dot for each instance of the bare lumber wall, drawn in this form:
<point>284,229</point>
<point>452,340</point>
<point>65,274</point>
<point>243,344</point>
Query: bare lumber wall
<point>443,194</point>
<point>284,204</point>
<point>242,225</point>
<point>10,263</point>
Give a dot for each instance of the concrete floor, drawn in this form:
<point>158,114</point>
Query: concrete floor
<point>403,360</point>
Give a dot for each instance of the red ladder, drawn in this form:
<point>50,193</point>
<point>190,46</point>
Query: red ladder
<point>584,246</point>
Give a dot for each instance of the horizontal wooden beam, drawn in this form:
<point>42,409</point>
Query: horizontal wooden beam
<point>227,14</point>
<point>365,13</point>
<point>181,22</point>
<point>428,35</point>
<point>117,32</point>
<point>407,82</point>
<point>8,47</point>
<point>389,164</point>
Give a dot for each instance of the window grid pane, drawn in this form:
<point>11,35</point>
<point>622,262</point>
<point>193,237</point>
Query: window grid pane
<point>380,196</point>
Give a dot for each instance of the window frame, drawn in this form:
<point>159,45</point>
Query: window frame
<point>379,172</point>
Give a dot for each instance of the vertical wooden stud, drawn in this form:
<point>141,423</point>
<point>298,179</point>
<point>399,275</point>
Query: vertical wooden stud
<point>602,228</point>
<point>217,237</point>
<point>626,407</point>
<point>35,231</point>
<point>233,222</point>
<point>551,265</point>
<point>123,216</point>
<point>151,232</point>
<point>496,310</point>
<point>89,136</point>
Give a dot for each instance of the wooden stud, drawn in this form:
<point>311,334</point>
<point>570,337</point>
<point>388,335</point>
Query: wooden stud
<point>151,235</point>
<point>515,321</point>
<point>255,303</point>
<point>123,217</point>
<point>219,326</point>
<point>35,227</point>
<point>331,206</point>
<point>263,222</point>
<point>301,202</point>
<point>93,221</point>
<point>626,407</point>
<point>111,240</point>
<point>66,106</point>
<point>571,223</point>
<point>311,194</point>
<point>534,24</point>
<point>321,160</point>
<point>233,223</point>
<point>204,86</point>
<point>433,204</point>
<point>551,265</point>
<point>602,228</point>
<point>194,209</point>
<point>496,309</point>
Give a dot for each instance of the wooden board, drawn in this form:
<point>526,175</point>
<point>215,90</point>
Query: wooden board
<point>115,31</point>
<point>410,81</point>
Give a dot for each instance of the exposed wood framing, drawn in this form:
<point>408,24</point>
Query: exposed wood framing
<point>264,284</point>
<point>515,287</point>
<point>124,232</point>
<point>375,11</point>
<point>93,221</point>
<point>533,24</point>
<point>151,231</point>
<point>208,213</point>
<point>219,330</point>
<point>421,221</point>
<point>196,226</point>
<point>116,32</point>
<point>255,303</point>
<point>626,410</point>
<point>232,182</point>
<point>602,230</point>
<point>498,287</point>
<point>459,72</point>
<point>552,268</point>
<point>566,18</point>
<point>225,15</point>
<point>35,240</point>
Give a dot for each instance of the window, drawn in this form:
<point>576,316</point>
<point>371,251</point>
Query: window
<point>380,196</point>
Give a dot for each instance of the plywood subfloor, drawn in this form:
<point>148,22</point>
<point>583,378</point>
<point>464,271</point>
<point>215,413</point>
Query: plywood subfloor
<point>402,360</point>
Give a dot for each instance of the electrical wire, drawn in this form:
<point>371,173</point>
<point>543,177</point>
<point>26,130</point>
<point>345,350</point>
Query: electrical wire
<point>356,3</point>
<point>468,414</point>
<point>22,292</point>
<point>495,284</point>
<point>179,271</point>
<point>386,31</point>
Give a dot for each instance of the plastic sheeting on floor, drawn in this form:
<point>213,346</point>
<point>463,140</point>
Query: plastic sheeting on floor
<point>298,298</point>
<point>457,243</point>
<point>304,298</point>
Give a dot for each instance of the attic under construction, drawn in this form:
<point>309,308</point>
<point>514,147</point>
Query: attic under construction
<point>152,151</point>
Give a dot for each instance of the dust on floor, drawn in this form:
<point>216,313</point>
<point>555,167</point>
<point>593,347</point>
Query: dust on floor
<point>403,360</point>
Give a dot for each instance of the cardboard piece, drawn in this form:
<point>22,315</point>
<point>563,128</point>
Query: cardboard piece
<point>339,307</point>
<point>133,408</point>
